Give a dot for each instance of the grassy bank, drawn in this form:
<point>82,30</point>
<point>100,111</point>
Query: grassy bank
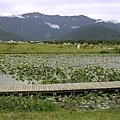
<point>34,48</point>
<point>63,115</point>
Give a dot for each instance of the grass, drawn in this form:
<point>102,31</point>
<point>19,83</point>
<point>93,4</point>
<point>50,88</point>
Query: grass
<point>27,48</point>
<point>37,109</point>
<point>63,115</point>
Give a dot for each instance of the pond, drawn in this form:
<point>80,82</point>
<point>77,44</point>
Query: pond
<point>58,68</point>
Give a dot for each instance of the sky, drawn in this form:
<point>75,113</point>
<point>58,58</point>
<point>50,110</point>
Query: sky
<point>96,9</point>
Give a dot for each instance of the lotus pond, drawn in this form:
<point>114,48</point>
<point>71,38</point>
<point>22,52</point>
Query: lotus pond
<point>62,68</point>
<point>58,68</point>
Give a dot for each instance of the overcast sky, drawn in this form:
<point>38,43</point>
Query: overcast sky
<point>97,9</point>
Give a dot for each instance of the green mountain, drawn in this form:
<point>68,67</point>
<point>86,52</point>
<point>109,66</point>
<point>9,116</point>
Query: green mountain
<point>93,33</point>
<point>6,36</point>
<point>39,27</point>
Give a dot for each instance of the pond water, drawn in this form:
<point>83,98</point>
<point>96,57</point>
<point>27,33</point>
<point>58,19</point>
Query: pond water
<point>5,79</point>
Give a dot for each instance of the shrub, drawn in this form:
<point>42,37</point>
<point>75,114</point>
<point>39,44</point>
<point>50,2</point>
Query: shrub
<point>26,103</point>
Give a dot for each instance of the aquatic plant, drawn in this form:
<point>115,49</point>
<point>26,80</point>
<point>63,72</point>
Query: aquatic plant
<point>61,68</point>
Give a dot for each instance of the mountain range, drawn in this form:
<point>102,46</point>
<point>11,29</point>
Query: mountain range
<point>39,27</point>
<point>93,32</point>
<point>7,36</point>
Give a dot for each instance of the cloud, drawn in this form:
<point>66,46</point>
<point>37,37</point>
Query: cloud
<point>105,9</point>
<point>54,26</point>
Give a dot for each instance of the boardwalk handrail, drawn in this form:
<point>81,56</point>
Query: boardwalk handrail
<point>60,88</point>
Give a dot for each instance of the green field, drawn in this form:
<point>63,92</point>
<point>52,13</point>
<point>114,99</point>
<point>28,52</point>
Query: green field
<point>63,115</point>
<point>35,48</point>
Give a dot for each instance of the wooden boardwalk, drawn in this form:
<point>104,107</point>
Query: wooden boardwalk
<point>58,88</point>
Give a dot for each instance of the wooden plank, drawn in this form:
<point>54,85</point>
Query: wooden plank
<point>55,87</point>
<point>59,87</point>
